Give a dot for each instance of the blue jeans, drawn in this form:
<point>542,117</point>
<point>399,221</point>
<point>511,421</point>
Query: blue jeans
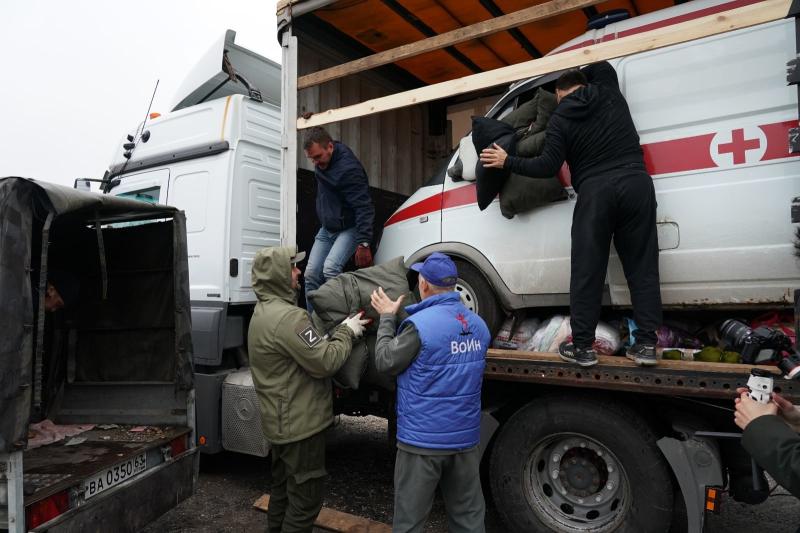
<point>329,254</point>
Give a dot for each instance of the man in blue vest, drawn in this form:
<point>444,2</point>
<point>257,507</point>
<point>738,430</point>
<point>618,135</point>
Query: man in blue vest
<point>438,354</point>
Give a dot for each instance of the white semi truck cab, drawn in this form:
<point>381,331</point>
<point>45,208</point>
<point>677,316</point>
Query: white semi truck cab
<point>216,156</point>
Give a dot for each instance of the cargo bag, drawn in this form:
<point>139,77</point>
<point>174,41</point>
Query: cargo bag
<point>349,293</point>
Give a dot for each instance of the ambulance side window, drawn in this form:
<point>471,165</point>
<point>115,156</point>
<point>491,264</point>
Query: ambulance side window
<point>510,106</point>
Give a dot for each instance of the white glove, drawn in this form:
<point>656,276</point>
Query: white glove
<point>356,324</point>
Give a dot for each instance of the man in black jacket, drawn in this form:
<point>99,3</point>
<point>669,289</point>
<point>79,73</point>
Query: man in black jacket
<point>592,130</point>
<point>344,209</point>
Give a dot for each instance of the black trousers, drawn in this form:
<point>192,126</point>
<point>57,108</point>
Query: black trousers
<point>622,206</point>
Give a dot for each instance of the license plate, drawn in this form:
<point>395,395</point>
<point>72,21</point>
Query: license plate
<point>114,475</point>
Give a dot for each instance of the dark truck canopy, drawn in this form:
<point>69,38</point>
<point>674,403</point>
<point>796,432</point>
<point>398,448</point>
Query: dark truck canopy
<point>130,320</point>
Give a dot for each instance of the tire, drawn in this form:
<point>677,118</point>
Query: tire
<point>601,450</point>
<point>477,295</point>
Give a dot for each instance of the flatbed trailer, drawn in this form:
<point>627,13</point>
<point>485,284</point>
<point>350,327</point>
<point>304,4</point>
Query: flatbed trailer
<point>614,447</point>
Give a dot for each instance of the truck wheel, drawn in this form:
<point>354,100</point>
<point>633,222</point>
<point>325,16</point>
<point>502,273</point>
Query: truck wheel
<point>477,295</point>
<point>574,464</point>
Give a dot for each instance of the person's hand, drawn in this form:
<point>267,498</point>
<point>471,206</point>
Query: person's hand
<point>356,324</point>
<point>363,256</point>
<point>383,304</point>
<point>790,413</point>
<point>494,157</point>
<point>748,409</point>
<point>786,410</point>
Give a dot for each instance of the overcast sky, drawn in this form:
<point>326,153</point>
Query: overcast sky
<point>78,75</point>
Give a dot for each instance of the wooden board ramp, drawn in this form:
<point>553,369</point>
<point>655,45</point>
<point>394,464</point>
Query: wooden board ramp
<point>333,520</point>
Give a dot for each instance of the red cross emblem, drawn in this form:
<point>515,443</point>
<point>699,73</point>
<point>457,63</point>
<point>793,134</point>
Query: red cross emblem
<point>740,146</point>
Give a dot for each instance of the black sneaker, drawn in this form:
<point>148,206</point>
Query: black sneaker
<point>571,353</point>
<point>642,354</point>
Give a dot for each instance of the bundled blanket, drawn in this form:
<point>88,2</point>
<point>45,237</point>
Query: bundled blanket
<point>349,293</point>
<point>522,133</point>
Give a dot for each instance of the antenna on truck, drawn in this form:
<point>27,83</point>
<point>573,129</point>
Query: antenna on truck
<point>130,146</point>
<point>145,135</point>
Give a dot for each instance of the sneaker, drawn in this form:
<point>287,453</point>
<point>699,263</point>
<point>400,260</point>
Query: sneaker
<point>642,354</point>
<point>571,353</point>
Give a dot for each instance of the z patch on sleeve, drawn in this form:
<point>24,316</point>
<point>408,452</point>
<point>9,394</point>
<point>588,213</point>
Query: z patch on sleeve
<point>310,336</point>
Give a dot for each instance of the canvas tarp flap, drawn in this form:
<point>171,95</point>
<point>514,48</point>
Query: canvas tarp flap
<point>159,281</point>
<point>65,200</point>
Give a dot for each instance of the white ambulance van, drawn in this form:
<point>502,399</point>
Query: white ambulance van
<point>713,116</point>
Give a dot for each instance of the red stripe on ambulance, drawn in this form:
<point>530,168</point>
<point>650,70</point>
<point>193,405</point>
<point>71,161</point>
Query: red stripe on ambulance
<point>664,157</point>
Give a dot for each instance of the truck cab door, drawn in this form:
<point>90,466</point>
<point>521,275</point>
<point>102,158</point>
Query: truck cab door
<point>151,187</point>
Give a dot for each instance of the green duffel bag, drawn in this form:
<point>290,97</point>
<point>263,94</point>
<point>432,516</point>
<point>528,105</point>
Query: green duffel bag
<point>521,194</point>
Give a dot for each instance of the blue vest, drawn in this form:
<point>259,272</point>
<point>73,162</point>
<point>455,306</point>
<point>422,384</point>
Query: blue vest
<point>439,394</point>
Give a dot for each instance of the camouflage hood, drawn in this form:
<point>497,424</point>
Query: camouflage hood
<point>272,274</point>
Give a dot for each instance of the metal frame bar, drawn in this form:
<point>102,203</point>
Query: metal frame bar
<point>289,44</point>
<point>11,474</point>
<point>615,373</point>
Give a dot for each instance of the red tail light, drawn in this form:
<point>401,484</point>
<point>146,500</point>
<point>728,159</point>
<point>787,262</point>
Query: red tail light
<point>178,446</point>
<point>45,510</point>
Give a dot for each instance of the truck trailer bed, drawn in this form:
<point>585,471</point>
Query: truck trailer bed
<point>107,457</point>
<point>676,378</point>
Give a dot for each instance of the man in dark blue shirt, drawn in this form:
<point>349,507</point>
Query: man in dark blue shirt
<point>344,209</point>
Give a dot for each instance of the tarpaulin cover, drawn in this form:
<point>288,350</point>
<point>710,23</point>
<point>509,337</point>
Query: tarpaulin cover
<point>131,320</point>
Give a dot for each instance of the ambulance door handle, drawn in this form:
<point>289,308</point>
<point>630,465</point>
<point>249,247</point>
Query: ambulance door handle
<point>423,219</point>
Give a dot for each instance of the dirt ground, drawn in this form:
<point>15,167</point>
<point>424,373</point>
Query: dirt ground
<point>360,464</point>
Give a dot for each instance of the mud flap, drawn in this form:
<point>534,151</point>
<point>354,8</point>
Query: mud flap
<point>696,465</point>
<point>489,425</point>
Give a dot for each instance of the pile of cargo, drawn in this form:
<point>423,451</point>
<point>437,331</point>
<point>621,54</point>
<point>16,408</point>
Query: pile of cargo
<point>761,340</point>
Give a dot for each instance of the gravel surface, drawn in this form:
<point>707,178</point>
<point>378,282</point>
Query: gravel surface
<point>360,464</point>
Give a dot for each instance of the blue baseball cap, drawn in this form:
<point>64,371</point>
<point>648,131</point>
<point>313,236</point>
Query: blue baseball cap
<point>438,269</point>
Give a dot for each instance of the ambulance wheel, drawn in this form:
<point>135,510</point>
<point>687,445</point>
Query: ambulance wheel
<point>477,295</point>
<point>577,464</point>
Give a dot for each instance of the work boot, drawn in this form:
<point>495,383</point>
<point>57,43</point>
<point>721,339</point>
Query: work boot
<point>571,353</point>
<point>643,354</point>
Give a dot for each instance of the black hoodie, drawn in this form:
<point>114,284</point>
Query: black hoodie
<point>591,129</point>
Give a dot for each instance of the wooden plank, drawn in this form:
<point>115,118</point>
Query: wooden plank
<point>617,361</point>
<point>330,95</point>
<point>388,143</point>
<point>743,17</point>
<point>371,126</point>
<point>417,176</point>
<point>338,521</point>
<point>437,42</point>
<point>404,153</point>
<point>351,130</point>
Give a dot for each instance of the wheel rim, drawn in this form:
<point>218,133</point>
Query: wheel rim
<point>574,483</point>
<point>468,295</point>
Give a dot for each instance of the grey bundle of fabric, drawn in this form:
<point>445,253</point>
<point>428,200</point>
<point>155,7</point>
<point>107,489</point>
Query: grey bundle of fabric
<point>349,293</point>
<point>519,193</point>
